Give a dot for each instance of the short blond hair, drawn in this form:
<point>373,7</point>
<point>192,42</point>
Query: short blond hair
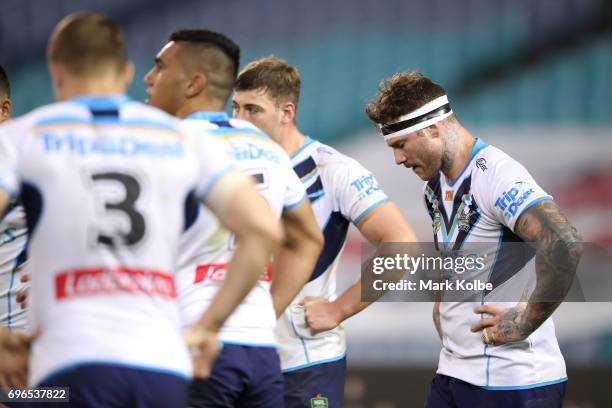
<point>280,79</point>
<point>87,44</point>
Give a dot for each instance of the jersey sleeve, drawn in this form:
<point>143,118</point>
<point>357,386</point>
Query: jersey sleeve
<point>214,163</point>
<point>295,193</point>
<point>9,180</point>
<point>356,190</point>
<point>508,190</point>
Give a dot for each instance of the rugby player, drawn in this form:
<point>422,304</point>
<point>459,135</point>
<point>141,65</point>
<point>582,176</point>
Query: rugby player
<point>13,238</point>
<point>310,338</point>
<point>108,185</point>
<point>193,77</point>
<point>475,193</point>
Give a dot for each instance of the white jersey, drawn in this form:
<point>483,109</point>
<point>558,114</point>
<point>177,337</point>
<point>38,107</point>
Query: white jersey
<point>482,206</point>
<point>341,191</point>
<point>105,182</point>
<point>207,247</point>
<point>13,239</point>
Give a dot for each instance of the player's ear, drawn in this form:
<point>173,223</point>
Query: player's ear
<point>288,112</point>
<point>6,108</point>
<point>196,85</point>
<point>433,131</point>
<point>57,78</point>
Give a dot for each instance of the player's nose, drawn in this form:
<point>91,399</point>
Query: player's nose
<point>399,156</point>
<point>238,114</point>
<point>148,78</point>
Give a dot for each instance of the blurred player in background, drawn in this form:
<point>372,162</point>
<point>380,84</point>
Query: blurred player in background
<point>193,78</point>
<point>107,183</point>
<point>13,238</point>
<point>311,340</point>
<point>515,361</point>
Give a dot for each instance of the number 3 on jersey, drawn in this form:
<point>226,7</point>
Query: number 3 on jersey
<point>116,194</point>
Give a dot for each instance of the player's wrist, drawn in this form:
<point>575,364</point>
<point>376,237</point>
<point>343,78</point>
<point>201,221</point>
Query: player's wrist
<point>209,323</point>
<point>340,311</point>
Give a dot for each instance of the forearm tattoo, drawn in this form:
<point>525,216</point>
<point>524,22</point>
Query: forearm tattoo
<point>559,249</point>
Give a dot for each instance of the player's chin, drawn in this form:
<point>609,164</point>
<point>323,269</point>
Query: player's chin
<point>423,173</point>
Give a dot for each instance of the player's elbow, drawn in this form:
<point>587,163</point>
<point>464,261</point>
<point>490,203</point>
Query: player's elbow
<point>268,233</point>
<point>569,247</point>
<point>565,247</point>
<point>307,241</point>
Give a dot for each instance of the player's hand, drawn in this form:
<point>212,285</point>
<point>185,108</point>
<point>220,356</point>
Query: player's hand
<point>14,356</point>
<point>321,314</point>
<point>502,325</point>
<point>203,344</point>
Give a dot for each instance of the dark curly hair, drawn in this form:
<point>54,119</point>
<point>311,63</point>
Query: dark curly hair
<point>401,94</point>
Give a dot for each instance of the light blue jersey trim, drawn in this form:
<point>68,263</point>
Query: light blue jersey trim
<point>294,205</point>
<point>58,120</point>
<point>117,364</point>
<point>248,344</point>
<point>307,143</point>
<point>478,146</point>
<point>70,120</point>
<point>314,363</point>
<point>534,202</point>
<point>369,209</point>
<point>101,102</point>
<point>488,369</point>
<point>524,387</point>
<point>211,183</point>
<point>212,117</point>
<point>312,174</point>
<point>316,194</point>
<point>208,116</point>
<point>488,364</point>
<point>223,131</point>
<point>301,339</point>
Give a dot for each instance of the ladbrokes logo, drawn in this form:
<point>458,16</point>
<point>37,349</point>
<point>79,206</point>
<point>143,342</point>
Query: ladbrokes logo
<point>513,199</point>
<point>216,273</point>
<point>106,281</point>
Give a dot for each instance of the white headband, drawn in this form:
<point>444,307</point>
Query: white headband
<point>428,114</point>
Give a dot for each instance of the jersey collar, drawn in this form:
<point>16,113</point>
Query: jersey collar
<point>478,146</point>
<point>209,116</point>
<point>101,102</point>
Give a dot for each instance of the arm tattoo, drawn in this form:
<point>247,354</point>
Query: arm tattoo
<point>559,249</point>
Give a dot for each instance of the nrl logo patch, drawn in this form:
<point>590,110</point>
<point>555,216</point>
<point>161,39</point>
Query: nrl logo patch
<point>481,164</point>
<point>319,402</point>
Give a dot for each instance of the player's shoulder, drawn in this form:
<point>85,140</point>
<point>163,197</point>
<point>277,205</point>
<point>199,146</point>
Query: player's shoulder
<point>330,159</point>
<point>233,128</point>
<point>80,111</point>
<point>494,172</point>
<point>138,113</point>
<point>338,171</point>
<point>17,127</point>
<point>490,163</point>
<point>246,126</point>
<point>49,114</point>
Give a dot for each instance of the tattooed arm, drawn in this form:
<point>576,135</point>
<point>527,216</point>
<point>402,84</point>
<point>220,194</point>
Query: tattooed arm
<point>559,249</point>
